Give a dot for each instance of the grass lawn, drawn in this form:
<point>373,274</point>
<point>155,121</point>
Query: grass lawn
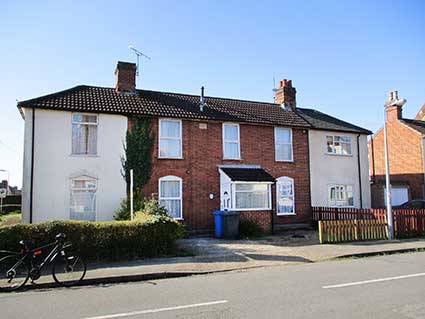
<point>10,219</point>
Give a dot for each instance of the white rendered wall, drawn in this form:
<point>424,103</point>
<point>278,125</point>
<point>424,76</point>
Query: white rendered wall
<point>326,169</point>
<point>55,166</point>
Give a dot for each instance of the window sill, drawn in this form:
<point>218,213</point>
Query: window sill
<point>250,209</point>
<point>281,161</point>
<point>340,155</point>
<point>286,214</point>
<point>84,155</point>
<point>232,159</point>
<point>179,219</point>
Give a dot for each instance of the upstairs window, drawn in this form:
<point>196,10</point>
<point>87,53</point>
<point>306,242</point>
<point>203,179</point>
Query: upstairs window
<point>341,195</point>
<point>170,195</point>
<point>283,144</point>
<point>170,138</point>
<point>84,134</point>
<point>339,145</point>
<point>83,198</point>
<point>231,141</point>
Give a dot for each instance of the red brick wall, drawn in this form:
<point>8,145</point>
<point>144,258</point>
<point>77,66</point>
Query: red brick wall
<point>405,157</point>
<point>202,153</point>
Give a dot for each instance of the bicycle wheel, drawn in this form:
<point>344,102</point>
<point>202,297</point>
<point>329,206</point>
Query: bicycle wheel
<point>14,273</point>
<point>68,271</point>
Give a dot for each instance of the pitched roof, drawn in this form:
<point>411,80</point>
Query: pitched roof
<point>417,125</point>
<point>165,104</point>
<point>319,120</point>
<point>239,174</point>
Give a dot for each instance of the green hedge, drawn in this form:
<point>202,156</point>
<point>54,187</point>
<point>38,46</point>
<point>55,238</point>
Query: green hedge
<point>153,237</point>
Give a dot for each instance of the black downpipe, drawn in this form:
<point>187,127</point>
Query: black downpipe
<point>373,159</point>
<point>272,212</point>
<point>32,162</point>
<point>360,172</point>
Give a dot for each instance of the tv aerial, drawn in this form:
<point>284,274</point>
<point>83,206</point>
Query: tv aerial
<point>138,54</point>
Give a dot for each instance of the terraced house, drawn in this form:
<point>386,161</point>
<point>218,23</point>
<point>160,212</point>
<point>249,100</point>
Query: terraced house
<point>209,153</point>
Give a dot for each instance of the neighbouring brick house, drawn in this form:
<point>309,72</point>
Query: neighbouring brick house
<point>209,153</point>
<point>406,156</point>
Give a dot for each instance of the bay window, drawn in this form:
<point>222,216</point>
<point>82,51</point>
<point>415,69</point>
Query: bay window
<point>170,195</point>
<point>170,138</point>
<point>251,196</point>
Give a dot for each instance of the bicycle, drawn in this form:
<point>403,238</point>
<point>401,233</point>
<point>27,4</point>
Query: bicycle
<point>17,267</point>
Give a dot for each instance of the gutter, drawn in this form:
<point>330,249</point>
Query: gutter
<point>32,165</point>
<point>359,170</point>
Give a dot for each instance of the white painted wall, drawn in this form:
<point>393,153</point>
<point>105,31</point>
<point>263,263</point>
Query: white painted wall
<point>54,165</point>
<point>326,169</point>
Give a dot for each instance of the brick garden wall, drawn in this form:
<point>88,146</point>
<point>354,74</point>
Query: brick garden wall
<point>202,153</point>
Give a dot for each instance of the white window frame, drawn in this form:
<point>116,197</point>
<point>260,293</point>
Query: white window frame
<point>84,123</point>
<point>341,142</point>
<point>330,186</point>
<point>280,180</point>
<point>72,189</point>
<point>180,138</point>
<point>233,190</point>
<point>238,141</point>
<point>276,143</point>
<point>173,179</point>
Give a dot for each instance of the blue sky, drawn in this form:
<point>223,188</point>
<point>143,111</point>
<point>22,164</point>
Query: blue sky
<point>343,56</point>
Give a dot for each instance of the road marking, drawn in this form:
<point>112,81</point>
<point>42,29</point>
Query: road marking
<point>357,283</point>
<point>141,312</point>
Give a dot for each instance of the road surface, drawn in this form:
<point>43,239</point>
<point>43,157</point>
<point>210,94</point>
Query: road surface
<point>378,287</point>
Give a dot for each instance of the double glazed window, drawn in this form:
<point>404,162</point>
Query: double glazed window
<point>251,196</point>
<point>170,195</point>
<point>231,141</point>
<point>285,196</point>
<point>170,138</point>
<point>283,144</point>
<point>341,195</point>
<point>83,198</point>
<point>339,145</point>
<point>84,134</point>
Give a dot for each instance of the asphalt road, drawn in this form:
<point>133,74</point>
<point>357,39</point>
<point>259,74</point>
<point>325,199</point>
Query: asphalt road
<point>378,287</point>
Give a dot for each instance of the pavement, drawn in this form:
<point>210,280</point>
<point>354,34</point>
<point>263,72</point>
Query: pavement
<point>382,287</point>
<point>212,255</point>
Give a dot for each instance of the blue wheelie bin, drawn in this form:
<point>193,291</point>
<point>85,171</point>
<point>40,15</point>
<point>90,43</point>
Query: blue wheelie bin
<point>226,224</point>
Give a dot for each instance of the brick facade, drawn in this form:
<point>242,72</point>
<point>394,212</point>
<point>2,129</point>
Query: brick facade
<point>202,153</point>
<point>405,158</point>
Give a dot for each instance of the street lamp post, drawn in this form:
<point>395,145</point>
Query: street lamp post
<point>393,101</point>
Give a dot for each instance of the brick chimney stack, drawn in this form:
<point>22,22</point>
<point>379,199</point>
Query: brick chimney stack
<point>125,74</point>
<point>394,112</point>
<point>286,94</point>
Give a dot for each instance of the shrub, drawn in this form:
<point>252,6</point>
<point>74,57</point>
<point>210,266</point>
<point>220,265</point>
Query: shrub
<point>123,212</point>
<point>249,228</point>
<point>149,206</point>
<point>152,237</point>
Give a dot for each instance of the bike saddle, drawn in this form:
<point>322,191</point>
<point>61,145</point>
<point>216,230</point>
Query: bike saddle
<point>60,236</point>
<point>26,243</point>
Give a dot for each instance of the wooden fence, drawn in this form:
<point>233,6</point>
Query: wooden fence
<point>407,222</point>
<point>335,231</point>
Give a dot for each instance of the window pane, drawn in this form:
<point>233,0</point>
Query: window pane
<point>170,129</point>
<point>231,132</point>
<point>346,149</point>
<point>170,189</point>
<point>173,207</point>
<point>283,152</point>
<point>329,141</point>
<point>84,118</point>
<point>231,150</point>
<point>170,148</point>
<point>252,200</point>
<point>84,139</point>
<point>285,205</point>
<point>283,135</point>
<point>251,187</point>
